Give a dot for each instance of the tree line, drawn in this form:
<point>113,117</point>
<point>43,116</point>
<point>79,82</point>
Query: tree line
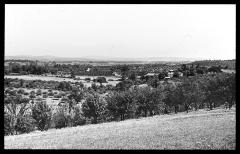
<point>89,105</point>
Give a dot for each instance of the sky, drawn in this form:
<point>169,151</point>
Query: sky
<point>121,30</point>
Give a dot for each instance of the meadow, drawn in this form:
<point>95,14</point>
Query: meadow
<point>60,79</point>
<point>201,129</point>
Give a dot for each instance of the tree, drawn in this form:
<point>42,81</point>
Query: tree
<point>174,98</point>
<point>124,85</point>
<point>227,90</point>
<point>78,118</point>
<point>41,112</point>
<point>17,117</point>
<point>175,74</point>
<point>74,98</point>
<point>39,92</point>
<point>101,80</point>
<point>94,86</point>
<point>72,74</point>
<point>154,82</point>
<point>124,71</point>
<point>210,89</point>
<point>133,76</point>
<point>162,75</point>
<point>94,107</point>
<point>189,96</point>
<point>148,100</point>
<point>61,118</point>
<point>121,104</point>
<point>20,91</point>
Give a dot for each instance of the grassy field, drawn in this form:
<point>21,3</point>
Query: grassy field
<point>195,130</point>
<point>60,79</point>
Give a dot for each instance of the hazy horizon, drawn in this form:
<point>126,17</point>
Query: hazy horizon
<point>121,31</point>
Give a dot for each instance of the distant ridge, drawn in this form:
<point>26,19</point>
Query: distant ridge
<point>55,58</point>
<point>45,58</point>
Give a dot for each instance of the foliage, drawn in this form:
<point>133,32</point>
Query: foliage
<point>39,92</point>
<point>41,112</point>
<point>124,85</point>
<point>60,118</point>
<point>94,107</point>
<point>121,104</point>
<point>101,80</point>
<point>16,118</point>
<point>78,118</point>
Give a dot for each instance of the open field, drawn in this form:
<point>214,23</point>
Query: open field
<point>195,130</point>
<point>59,79</point>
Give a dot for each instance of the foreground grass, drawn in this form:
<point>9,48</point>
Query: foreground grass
<point>195,130</point>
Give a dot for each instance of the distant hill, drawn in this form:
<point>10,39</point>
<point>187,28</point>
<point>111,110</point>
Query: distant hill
<point>229,63</point>
<point>102,58</point>
<point>44,58</point>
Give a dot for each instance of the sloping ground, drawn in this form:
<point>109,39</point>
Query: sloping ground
<point>195,130</point>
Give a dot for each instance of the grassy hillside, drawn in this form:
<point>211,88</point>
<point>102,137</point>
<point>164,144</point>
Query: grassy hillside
<point>196,130</point>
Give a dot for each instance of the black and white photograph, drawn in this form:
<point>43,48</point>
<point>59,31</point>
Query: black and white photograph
<point>120,76</point>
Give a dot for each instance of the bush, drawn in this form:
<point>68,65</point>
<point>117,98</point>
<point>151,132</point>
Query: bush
<point>50,94</point>
<point>87,79</point>
<point>32,96</point>
<point>57,96</point>
<point>20,91</point>
<point>39,92</point>
<point>101,80</point>
<point>32,92</point>
<point>26,93</point>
